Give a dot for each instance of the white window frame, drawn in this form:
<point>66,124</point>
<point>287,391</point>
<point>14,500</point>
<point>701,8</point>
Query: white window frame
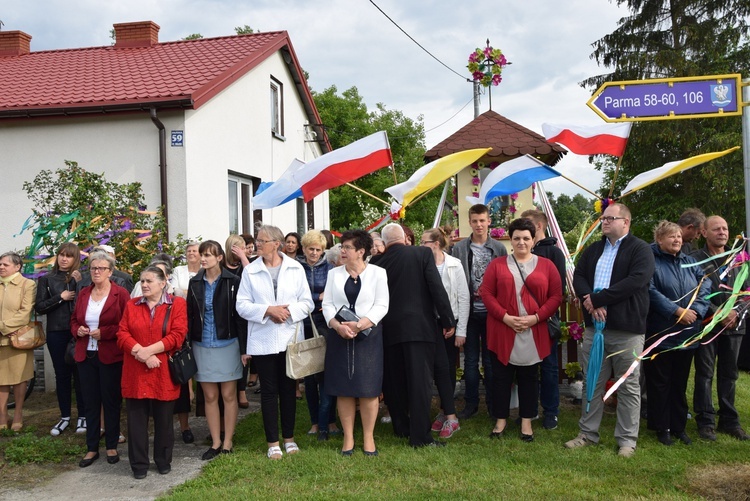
<point>277,108</point>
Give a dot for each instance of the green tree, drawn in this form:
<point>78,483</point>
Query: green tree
<point>678,38</point>
<point>346,119</point>
<point>193,36</point>
<point>570,211</point>
<point>243,30</point>
<point>73,204</point>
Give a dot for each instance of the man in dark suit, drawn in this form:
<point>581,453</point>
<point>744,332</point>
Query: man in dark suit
<point>419,306</point>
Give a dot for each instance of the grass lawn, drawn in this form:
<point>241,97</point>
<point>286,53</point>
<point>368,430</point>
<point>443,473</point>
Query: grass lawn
<point>474,467</point>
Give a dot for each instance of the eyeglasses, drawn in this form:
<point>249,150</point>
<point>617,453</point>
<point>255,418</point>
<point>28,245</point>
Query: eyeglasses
<point>98,269</point>
<point>348,247</point>
<point>609,219</point>
<point>260,242</point>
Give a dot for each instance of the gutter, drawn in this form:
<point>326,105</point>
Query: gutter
<point>162,169</point>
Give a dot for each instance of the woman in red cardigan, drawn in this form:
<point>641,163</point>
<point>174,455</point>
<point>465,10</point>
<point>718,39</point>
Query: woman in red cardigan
<point>94,325</point>
<point>521,292</point>
<point>152,326</point>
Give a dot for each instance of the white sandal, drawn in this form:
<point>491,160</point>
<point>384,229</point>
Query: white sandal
<point>291,448</point>
<point>274,452</point>
<point>60,427</point>
<point>81,426</point>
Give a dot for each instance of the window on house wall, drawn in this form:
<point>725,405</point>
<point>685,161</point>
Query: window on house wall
<point>277,108</point>
<point>242,218</point>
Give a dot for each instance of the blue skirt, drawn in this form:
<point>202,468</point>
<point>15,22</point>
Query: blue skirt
<point>218,365</point>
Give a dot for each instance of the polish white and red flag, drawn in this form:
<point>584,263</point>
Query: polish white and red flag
<point>608,139</point>
<point>344,165</point>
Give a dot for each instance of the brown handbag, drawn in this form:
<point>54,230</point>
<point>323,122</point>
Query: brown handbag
<point>28,337</point>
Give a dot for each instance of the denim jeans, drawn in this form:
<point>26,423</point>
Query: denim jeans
<point>476,342</point>
<point>322,407</point>
<point>549,390</point>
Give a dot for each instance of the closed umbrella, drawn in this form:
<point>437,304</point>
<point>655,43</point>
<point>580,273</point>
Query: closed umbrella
<point>595,361</point>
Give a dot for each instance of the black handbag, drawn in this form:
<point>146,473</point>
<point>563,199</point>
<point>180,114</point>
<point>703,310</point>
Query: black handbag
<point>345,314</point>
<point>553,322</point>
<point>70,352</point>
<point>181,363</point>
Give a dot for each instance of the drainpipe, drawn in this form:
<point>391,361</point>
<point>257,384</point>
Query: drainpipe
<point>162,168</point>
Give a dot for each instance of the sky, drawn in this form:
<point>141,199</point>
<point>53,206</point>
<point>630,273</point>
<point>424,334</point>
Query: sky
<point>351,43</point>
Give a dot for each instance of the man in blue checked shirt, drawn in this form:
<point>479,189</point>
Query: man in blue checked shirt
<point>611,279</point>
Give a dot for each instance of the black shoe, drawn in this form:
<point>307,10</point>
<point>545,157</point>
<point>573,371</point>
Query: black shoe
<point>322,436</point>
<point>85,463</point>
<point>227,451</point>
<point>736,432</point>
<point>707,433</point>
<point>211,453</point>
<point>164,469</point>
<point>370,453</point>
<point>684,438</point>
<point>550,422</point>
<point>664,437</point>
<point>140,475</point>
<point>468,412</point>
<point>527,438</point>
<point>188,437</point>
<point>348,453</point>
<point>431,444</point>
<point>113,459</point>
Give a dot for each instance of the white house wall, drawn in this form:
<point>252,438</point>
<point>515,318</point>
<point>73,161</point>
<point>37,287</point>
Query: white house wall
<point>232,132</point>
<point>123,147</point>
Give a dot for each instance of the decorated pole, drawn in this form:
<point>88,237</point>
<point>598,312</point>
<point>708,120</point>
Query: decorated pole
<point>486,66</point>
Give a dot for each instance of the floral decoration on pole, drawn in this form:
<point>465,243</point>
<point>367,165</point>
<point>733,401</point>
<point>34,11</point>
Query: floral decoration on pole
<point>486,65</point>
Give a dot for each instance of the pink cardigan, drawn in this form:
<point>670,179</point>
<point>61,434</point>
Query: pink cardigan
<point>498,293</point>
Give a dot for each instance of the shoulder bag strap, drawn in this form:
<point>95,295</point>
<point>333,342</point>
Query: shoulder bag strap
<point>166,320</point>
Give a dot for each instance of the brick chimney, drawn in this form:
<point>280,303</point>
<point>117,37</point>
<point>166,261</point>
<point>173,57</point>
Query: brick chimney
<point>138,34</point>
<point>14,43</point>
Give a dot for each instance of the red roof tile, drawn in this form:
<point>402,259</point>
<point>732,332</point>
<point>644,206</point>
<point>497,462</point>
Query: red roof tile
<point>507,139</point>
<point>190,71</point>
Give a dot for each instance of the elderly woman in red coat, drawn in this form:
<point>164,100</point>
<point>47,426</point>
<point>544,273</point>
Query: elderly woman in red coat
<point>521,292</point>
<point>151,326</point>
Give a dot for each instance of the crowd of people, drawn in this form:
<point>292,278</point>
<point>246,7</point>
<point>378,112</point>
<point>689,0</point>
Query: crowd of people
<point>409,310</point>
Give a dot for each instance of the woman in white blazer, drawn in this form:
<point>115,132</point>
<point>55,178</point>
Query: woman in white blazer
<point>274,298</point>
<point>354,352</point>
<point>454,280</point>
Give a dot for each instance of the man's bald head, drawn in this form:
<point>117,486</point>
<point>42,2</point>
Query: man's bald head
<point>393,234</point>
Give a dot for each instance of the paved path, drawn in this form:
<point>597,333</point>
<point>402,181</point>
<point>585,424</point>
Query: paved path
<point>103,481</point>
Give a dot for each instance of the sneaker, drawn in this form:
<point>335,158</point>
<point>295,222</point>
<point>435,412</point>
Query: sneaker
<point>60,427</point>
<point>683,437</point>
<point>440,420</point>
<point>450,427</point>
<point>664,437</point>
<point>81,425</point>
<point>736,432</point>
<point>385,419</point>
<point>626,451</point>
<point>579,441</point>
<point>468,412</point>
<point>550,422</point>
<point>707,433</point>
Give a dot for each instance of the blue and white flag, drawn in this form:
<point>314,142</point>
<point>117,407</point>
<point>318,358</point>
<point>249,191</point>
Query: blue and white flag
<point>286,189</point>
<point>511,177</point>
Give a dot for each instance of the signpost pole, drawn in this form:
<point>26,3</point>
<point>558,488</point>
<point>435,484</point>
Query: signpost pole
<point>746,149</point>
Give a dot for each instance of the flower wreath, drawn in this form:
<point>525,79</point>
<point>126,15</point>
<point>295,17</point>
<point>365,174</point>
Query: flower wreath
<point>486,65</point>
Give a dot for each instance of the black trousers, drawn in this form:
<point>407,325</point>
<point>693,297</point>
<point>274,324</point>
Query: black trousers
<point>139,411</point>
<point>527,378</point>
<point>100,384</point>
<point>722,354</point>
<point>277,393</point>
<point>445,378</point>
<point>666,384</point>
<point>407,385</point>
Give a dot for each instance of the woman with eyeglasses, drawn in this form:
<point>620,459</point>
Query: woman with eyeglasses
<point>94,325</point>
<point>274,298</point>
<point>354,350</point>
<point>16,366</point>
<point>454,280</point>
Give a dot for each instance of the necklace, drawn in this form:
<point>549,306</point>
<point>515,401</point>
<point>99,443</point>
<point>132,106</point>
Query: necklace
<point>355,278</point>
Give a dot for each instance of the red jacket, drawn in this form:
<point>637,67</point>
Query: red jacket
<point>498,293</point>
<point>136,327</point>
<point>109,322</point>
